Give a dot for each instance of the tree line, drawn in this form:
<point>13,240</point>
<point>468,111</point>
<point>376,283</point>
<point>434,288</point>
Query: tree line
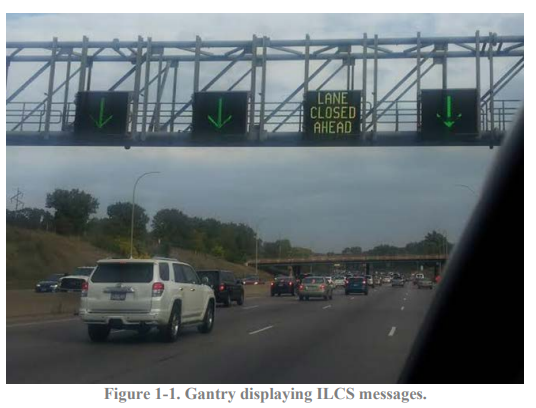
<point>70,212</point>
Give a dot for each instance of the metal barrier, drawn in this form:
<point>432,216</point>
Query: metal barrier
<point>402,114</point>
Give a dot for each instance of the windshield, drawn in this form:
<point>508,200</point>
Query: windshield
<point>123,273</point>
<point>267,151</point>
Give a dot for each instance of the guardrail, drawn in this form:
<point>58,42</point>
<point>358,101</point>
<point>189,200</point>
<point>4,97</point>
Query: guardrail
<point>402,115</point>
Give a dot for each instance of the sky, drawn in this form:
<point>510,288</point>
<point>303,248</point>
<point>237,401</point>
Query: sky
<point>323,198</point>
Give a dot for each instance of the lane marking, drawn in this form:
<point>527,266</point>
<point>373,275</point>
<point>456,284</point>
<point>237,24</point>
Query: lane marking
<point>404,298</point>
<point>261,330</point>
<point>392,332</point>
<point>250,307</point>
<point>352,298</point>
<point>402,308</point>
<point>326,307</point>
<point>43,322</point>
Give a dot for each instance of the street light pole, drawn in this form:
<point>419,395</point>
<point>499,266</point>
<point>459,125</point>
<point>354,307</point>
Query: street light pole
<point>133,205</point>
<point>467,187</point>
<point>257,246</point>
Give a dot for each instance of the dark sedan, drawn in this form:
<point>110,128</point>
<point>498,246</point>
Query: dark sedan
<point>398,281</point>
<point>50,284</point>
<point>282,286</point>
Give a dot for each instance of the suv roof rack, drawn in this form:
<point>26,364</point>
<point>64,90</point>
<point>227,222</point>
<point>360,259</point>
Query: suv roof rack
<point>161,258</point>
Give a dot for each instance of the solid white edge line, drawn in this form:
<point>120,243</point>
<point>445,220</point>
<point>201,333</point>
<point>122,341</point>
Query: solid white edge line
<point>261,330</point>
<point>392,332</point>
<point>250,307</point>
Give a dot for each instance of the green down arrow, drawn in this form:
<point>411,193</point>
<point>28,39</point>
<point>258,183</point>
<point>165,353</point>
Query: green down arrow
<point>101,122</point>
<point>449,121</point>
<point>219,124</point>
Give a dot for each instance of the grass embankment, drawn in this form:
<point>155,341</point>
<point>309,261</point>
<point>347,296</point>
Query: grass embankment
<point>33,255</point>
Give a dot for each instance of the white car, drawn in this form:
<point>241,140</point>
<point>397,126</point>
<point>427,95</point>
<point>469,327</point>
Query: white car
<point>74,282</point>
<point>139,294</point>
<point>339,281</point>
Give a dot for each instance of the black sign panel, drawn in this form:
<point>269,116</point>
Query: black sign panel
<point>217,114</point>
<point>102,113</point>
<point>332,115</point>
<point>451,113</point>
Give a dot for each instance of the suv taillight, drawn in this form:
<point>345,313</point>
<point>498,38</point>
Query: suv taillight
<point>158,289</point>
<point>85,287</point>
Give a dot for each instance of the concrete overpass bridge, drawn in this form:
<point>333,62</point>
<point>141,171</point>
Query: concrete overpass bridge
<point>438,260</point>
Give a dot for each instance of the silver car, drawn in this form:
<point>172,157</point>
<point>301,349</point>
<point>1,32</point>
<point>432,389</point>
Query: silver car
<point>315,286</point>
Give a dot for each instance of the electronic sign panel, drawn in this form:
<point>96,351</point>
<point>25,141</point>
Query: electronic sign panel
<point>102,113</point>
<point>450,113</point>
<point>217,114</point>
<point>332,115</point>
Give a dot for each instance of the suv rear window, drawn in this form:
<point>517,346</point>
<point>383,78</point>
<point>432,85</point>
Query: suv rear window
<point>356,280</point>
<point>212,276</point>
<point>123,272</point>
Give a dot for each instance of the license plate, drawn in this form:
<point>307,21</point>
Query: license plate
<point>118,296</point>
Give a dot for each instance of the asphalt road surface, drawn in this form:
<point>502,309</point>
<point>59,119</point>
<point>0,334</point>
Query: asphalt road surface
<point>350,339</point>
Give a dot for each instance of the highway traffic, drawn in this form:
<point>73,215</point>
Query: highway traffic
<point>348,339</point>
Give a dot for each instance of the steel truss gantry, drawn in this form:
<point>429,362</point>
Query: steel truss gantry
<point>157,118</point>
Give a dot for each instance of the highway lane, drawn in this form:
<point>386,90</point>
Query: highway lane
<point>350,339</point>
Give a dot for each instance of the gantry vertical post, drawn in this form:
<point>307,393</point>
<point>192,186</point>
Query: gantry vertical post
<point>83,66</point>
<point>491,88</point>
<point>253,88</point>
<point>148,52</point>
<point>445,78</point>
<point>375,93</point>
<point>50,92</point>
<point>197,62</point>
<point>64,119</point>
<point>263,87</point>
<point>136,95</point>
<point>418,81</point>
<point>478,89</point>
<point>174,96</point>
<point>156,120</point>
<point>364,90</point>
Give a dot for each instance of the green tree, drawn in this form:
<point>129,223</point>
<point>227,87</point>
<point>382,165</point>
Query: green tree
<point>120,217</point>
<point>356,250</point>
<point>218,251</point>
<point>72,210</point>
<point>174,227</point>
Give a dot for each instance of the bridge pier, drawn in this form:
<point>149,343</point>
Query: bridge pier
<point>296,270</point>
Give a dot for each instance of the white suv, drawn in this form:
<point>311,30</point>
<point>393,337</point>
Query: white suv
<point>139,294</point>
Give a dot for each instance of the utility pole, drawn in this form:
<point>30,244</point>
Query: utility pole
<point>18,202</point>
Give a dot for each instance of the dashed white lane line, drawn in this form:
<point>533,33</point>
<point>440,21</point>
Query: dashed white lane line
<point>392,332</point>
<point>42,322</point>
<point>402,308</point>
<point>404,298</point>
<point>352,298</point>
<point>326,307</point>
<point>261,330</point>
<point>250,307</point>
